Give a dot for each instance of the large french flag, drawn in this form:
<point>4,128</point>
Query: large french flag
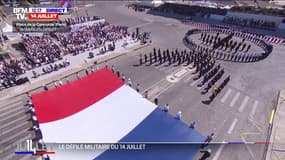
<point>65,4</point>
<point>100,108</point>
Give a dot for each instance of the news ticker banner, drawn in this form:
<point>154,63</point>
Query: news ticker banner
<point>40,26</point>
<point>33,148</point>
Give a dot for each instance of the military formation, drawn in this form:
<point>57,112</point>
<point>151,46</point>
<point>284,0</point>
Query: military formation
<point>226,44</point>
<point>199,59</point>
<point>229,49</point>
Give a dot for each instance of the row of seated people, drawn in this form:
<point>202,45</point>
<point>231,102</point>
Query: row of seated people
<point>9,72</point>
<point>92,36</point>
<point>41,49</point>
<point>51,68</point>
<point>250,22</point>
<point>81,19</point>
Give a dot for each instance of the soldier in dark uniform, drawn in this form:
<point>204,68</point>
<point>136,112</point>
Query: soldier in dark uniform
<point>154,50</point>
<point>207,40</point>
<point>159,57</point>
<point>155,56</point>
<point>164,56</point>
<point>248,47</point>
<point>150,58</point>
<point>145,58</point>
<point>45,88</point>
<point>179,59</point>
<point>243,46</point>
<point>118,73</point>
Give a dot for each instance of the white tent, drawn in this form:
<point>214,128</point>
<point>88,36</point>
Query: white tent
<point>7,28</point>
<point>8,31</point>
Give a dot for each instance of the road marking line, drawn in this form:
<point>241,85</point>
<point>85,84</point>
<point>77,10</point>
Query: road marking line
<point>186,80</point>
<point>218,153</point>
<point>232,126</point>
<point>253,110</point>
<point>193,83</point>
<point>243,104</point>
<point>170,70</point>
<point>152,86</point>
<point>199,88</point>
<point>271,117</point>
<point>160,67</point>
<point>234,99</point>
<point>226,95</point>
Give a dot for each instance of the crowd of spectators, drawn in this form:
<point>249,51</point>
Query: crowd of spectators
<point>250,22</point>
<point>9,72</point>
<point>48,48</point>
<point>93,36</point>
<point>41,49</point>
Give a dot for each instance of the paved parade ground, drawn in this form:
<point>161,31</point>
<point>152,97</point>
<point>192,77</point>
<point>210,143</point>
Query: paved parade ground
<point>240,112</point>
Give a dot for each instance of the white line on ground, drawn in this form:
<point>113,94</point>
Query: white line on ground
<point>170,70</point>
<point>193,83</point>
<point>234,99</point>
<point>218,153</point>
<point>199,88</point>
<point>243,104</point>
<point>253,110</point>
<point>188,77</point>
<point>161,91</point>
<point>226,95</point>
<point>232,126</point>
<point>155,84</point>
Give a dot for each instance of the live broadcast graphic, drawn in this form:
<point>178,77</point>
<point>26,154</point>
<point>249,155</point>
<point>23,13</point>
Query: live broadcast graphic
<point>39,20</point>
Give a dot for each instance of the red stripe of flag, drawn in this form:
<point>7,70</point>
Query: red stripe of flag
<point>40,153</point>
<point>62,2</point>
<point>262,143</point>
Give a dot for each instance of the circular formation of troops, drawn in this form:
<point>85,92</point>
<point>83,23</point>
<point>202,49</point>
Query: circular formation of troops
<point>227,48</point>
<point>203,64</point>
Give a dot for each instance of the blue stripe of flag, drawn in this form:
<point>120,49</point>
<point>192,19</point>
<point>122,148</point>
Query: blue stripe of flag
<point>24,152</point>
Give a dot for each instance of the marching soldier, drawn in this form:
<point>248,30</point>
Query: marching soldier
<point>159,57</point>
<point>164,56</point>
<point>154,51</point>
<point>155,56</point>
<point>248,47</point>
<point>140,59</point>
<point>206,154</point>
<point>243,46</point>
<point>150,58</point>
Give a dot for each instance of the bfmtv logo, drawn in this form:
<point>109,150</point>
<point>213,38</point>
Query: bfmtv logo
<point>21,13</point>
